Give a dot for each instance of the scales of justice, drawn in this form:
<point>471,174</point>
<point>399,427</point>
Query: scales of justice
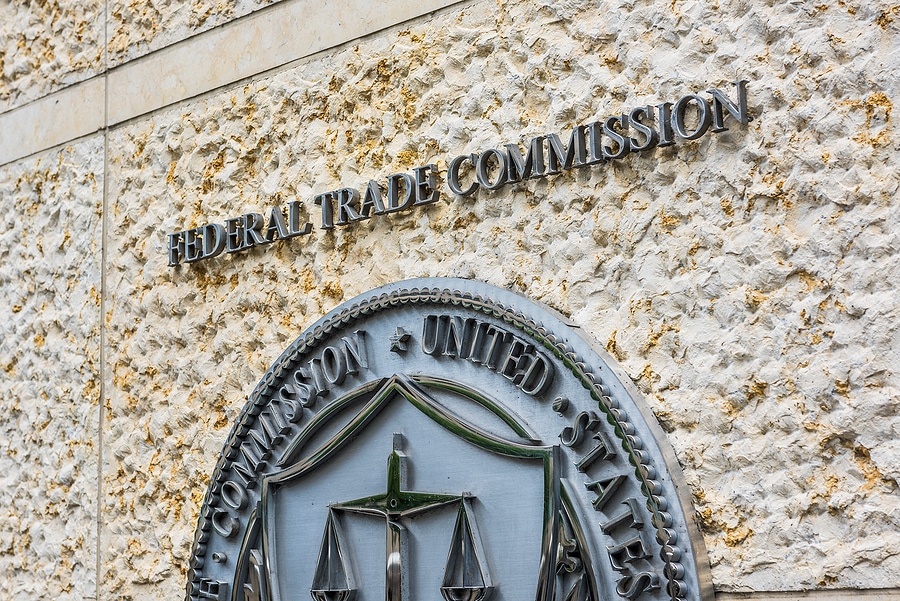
<point>466,577</point>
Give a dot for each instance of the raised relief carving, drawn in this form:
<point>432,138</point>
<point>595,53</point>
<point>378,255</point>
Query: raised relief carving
<point>491,346</point>
<point>333,580</point>
<point>491,486</point>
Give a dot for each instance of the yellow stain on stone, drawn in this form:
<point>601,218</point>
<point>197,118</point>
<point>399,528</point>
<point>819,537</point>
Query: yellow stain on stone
<point>849,8</point>
<point>842,387</point>
<point>756,390</point>
<point>170,173</point>
<point>654,338</point>
<point>646,379</point>
<point>332,289</point>
<point>862,458</point>
<point>809,281</point>
<point>406,158</point>
<point>755,298</point>
<point>715,523</point>
<point>611,346</point>
<point>727,207</point>
<point>876,106</point>
<point>212,168</point>
<point>884,18</point>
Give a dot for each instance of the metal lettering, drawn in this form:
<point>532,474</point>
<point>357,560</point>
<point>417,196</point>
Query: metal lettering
<point>355,351</point>
<point>604,450</point>
<point>234,495</point>
<point>262,444</point>
<point>651,136</point>
<point>193,245</point>
<point>595,143</point>
<point>631,586</point>
<point>276,227</point>
<point>483,169</point>
<point>234,234</point>
<point>294,221</point>
<point>253,224</point>
<point>453,175</point>
<point>498,337</point>
<point>409,186</point>
<point>273,424</point>
<point>623,146</point>
<point>347,199</point>
<point>430,328</point>
<point>738,111</point>
<point>334,365</point>
<point>327,209</point>
<point>605,490</point>
<point>372,200</point>
<point>226,527</point>
<point>547,154</point>
<point>538,376</point>
<point>704,118</point>
<point>484,344</point>
<point>306,394</point>
<point>457,342</point>
<point>631,517</point>
<point>517,355</point>
<point>562,157</point>
<point>247,463</point>
<point>213,240</point>
<point>519,168</point>
<point>666,135</point>
<point>586,421</point>
<point>477,340</point>
<point>208,588</point>
<point>318,378</point>
<point>426,185</point>
<point>176,242</point>
<point>290,409</point>
<point>627,552</point>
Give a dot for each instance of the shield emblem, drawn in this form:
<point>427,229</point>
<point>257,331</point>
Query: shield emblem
<point>396,494</point>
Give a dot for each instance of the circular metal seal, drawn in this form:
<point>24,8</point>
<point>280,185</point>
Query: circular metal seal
<point>443,438</point>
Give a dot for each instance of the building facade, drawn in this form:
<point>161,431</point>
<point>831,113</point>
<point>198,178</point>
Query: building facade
<point>737,262</point>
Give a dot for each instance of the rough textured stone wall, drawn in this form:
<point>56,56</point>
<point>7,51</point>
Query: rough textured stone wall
<point>745,280</point>
<point>46,45</point>
<point>50,236</point>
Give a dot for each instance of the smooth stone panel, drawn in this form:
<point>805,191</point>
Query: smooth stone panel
<point>52,120</point>
<point>138,28</point>
<point>267,39</point>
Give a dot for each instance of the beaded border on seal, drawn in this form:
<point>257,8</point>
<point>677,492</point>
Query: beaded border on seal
<point>652,490</point>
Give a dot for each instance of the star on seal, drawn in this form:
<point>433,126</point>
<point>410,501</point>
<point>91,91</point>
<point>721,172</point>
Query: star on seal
<point>398,341</point>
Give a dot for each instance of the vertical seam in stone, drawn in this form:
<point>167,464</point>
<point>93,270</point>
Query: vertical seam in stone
<point>103,292</point>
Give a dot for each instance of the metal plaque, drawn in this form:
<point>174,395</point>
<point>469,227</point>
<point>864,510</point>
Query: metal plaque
<point>445,439</point>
